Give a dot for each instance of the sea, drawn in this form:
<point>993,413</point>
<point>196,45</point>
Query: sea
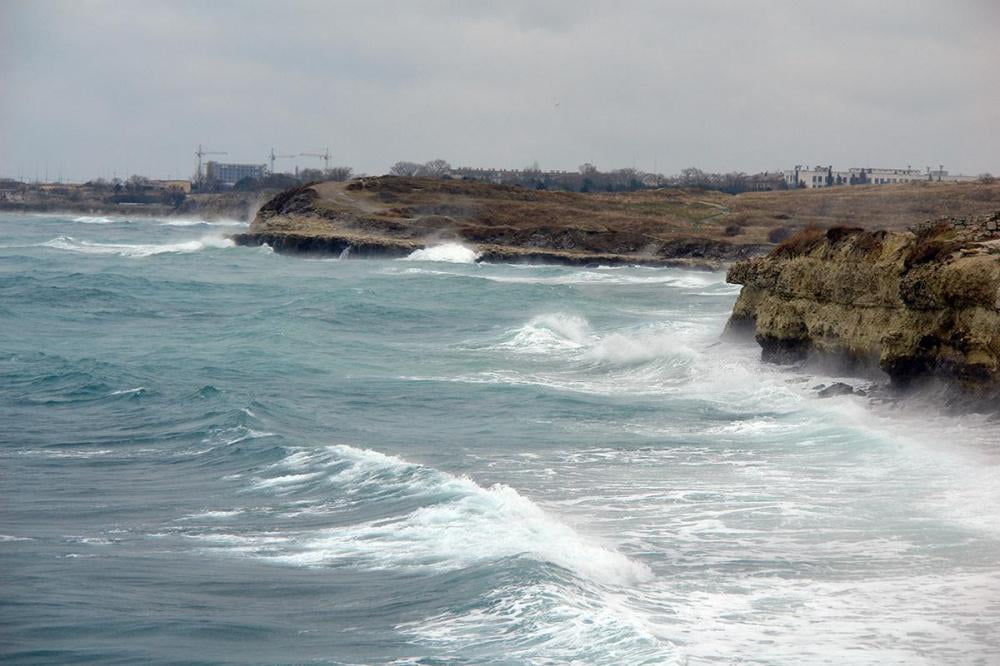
<point>213,454</point>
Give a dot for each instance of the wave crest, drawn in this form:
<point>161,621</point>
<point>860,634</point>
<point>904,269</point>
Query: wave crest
<point>71,244</point>
<point>457,524</point>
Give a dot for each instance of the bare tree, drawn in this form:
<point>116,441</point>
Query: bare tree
<point>311,175</point>
<point>436,169</point>
<point>136,182</point>
<point>340,173</point>
<point>693,177</point>
<point>408,169</point>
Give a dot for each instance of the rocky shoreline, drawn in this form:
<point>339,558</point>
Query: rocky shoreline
<point>392,216</point>
<point>920,306</point>
<point>362,247</point>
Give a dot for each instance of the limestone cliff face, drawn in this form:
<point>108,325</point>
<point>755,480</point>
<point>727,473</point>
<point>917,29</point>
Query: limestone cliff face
<point>916,305</point>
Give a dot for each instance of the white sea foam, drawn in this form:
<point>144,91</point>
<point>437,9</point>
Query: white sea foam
<point>460,523</point>
<point>214,515</point>
<point>454,253</point>
<point>546,623</point>
<point>572,341</point>
<point>95,219</point>
<point>137,390</point>
<point>191,222</point>
<point>550,332</point>
<point>594,277</point>
<point>286,480</point>
<point>639,347</point>
<point>66,453</point>
<point>71,244</point>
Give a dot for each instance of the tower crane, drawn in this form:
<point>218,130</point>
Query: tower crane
<point>201,152</point>
<point>325,156</point>
<point>275,156</point>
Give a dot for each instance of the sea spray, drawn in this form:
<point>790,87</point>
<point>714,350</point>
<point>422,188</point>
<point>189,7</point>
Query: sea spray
<point>71,244</point>
<point>459,524</point>
<point>446,252</point>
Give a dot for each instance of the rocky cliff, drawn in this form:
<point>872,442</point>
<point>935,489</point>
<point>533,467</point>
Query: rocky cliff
<point>916,305</point>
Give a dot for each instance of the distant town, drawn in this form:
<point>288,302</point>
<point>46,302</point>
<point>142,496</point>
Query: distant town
<point>215,176</point>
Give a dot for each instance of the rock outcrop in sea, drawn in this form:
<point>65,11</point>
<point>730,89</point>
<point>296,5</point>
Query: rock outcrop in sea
<point>918,305</point>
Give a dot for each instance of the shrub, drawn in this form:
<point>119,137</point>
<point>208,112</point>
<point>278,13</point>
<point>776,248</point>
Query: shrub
<point>801,243</point>
<point>780,234</point>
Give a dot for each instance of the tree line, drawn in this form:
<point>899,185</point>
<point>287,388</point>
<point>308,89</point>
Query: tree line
<point>588,178</point>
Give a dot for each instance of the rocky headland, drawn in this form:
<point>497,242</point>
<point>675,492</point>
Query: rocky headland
<point>917,305</point>
<point>393,216</point>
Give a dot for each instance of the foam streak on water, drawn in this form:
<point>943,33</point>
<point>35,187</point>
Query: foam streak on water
<point>214,453</point>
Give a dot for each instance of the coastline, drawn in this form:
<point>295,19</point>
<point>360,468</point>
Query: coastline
<point>394,216</point>
<point>361,247</point>
<point>922,306</point>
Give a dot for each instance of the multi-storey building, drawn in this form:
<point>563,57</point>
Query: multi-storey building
<point>230,174</point>
<point>827,176</point>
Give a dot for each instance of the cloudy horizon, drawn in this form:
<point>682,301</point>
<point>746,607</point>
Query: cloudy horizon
<point>102,88</point>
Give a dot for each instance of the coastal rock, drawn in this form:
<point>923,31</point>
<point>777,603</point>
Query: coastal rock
<point>915,305</point>
<point>837,388</point>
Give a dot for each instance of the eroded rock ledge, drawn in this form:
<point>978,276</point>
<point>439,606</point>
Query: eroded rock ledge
<point>917,305</point>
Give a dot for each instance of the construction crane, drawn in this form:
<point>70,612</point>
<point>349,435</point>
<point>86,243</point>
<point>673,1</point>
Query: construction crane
<point>201,152</point>
<point>274,156</point>
<point>325,156</point>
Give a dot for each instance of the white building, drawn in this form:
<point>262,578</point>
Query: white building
<point>886,176</point>
<point>827,176</point>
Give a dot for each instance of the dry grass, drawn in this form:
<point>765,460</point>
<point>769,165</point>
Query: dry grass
<point>632,222</point>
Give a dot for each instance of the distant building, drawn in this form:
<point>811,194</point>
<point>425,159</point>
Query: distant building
<point>175,185</point>
<point>11,193</point>
<point>767,181</point>
<point>940,175</point>
<point>859,176</point>
<point>230,174</point>
<point>827,176</point>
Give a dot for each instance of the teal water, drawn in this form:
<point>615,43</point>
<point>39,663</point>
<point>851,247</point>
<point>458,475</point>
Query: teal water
<point>214,454</point>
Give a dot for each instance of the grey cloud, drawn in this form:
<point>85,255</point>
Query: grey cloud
<point>95,87</point>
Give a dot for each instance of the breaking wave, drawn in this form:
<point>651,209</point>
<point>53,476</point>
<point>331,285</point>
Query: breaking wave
<point>553,332</point>
<point>457,523</point>
<point>454,253</point>
<point>71,244</point>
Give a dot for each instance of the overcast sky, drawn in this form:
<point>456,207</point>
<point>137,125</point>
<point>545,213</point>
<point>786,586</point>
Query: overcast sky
<point>91,88</point>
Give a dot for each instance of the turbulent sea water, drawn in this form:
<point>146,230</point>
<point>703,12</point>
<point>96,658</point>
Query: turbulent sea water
<point>214,454</point>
